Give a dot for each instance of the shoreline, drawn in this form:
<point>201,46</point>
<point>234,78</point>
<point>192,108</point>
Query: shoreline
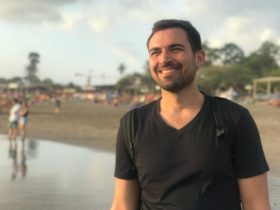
<point>79,123</point>
<point>95,126</point>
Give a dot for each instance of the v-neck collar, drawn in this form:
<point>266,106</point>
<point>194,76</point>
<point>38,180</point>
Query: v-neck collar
<point>167,126</point>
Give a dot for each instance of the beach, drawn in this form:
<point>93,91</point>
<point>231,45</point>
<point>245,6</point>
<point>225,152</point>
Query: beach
<point>78,123</point>
<point>95,126</point>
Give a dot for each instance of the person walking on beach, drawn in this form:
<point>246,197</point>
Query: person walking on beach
<point>178,162</point>
<point>57,104</point>
<point>13,120</point>
<point>23,118</point>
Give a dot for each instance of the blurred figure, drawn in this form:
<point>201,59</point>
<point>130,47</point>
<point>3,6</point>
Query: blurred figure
<point>13,156</point>
<point>22,162</point>
<point>12,148</point>
<point>13,120</point>
<point>57,104</point>
<point>229,93</point>
<point>23,119</point>
<point>19,166</point>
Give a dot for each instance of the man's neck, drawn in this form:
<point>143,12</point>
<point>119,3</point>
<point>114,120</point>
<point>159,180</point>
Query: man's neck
<point>185,99</point>
<point>177,110</point>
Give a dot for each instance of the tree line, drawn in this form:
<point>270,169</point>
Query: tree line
<point>229,66</point>
<point>224,67</point>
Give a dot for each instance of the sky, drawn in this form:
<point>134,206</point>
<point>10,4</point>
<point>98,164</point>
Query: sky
<point>93,37</point>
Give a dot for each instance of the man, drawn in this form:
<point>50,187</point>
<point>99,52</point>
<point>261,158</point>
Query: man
<point>177,162</point>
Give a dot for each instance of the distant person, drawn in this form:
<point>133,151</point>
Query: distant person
<point>170,153</point>
<point>23,119</point>
<point>229,93</point>
<point>57,104</point>
<point>13,120</point>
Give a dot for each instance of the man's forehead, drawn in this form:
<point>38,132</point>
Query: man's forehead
<point>167,37</point>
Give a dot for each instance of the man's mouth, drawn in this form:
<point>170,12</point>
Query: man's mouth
<point>168,72</point>
<point>168,68</point>
<point>161,70</point>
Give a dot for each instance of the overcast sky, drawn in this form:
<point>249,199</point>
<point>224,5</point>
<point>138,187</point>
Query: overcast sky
<point>79,36</point>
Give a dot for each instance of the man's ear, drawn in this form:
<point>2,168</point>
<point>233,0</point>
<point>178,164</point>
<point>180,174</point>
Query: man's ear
<point>199,58</point>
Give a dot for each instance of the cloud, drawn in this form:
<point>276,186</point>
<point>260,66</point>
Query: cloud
<point>71,19</point>
<point>269,34</point>
<point>122,49</point>
<point>245,23</point>
<point>123,25</point>
<point>134,5</point>
<point>34,11</point>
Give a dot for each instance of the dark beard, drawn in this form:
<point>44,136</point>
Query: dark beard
<point>179,83</point>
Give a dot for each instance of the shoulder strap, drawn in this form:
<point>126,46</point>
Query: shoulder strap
<point>224,122</point>
<point>129,129</point>
<point>222,127</point>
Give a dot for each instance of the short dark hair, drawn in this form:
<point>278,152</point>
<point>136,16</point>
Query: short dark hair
<point>15,100</point>
<point>192,34</point>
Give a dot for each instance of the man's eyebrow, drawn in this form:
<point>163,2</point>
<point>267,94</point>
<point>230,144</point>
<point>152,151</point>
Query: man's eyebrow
<point>176,45</point>
<point>170,46</point>
<point>154,49</point>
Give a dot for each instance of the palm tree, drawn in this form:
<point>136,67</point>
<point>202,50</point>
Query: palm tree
<point>32,68</point>
<point>121,69</point>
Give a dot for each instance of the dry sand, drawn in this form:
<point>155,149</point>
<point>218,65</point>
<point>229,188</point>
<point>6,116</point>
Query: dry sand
<point>95,126</point>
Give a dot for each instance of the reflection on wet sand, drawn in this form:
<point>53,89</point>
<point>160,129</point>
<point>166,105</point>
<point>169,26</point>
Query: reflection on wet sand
<point>18,159</point>
<point>49,175</point>
<point>17,153</point>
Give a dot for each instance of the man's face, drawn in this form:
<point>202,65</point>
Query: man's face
<point>173,65</point>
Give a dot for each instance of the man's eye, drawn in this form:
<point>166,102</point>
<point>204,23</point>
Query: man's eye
<point>154,53</point>
<point>176,49</point>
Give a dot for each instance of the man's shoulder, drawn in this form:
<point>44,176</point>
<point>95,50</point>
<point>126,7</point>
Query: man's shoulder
<point>228,105</point>
<point>230,110</point>
<point>140,111</point>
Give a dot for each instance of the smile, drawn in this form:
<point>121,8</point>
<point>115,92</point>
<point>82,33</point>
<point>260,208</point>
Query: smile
<point>167,72</point>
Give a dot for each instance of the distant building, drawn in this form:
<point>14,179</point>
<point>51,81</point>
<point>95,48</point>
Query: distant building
<point>263,88</point>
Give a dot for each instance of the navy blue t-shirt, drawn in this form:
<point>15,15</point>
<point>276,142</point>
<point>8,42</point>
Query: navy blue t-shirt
<point>189,168</point>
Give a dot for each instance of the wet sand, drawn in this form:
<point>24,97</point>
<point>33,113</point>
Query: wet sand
<point>95,126</point>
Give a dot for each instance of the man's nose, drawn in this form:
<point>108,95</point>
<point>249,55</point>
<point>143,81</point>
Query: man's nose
<point>165,57</point>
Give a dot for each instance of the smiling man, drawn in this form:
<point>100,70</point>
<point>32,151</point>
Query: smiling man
<point>168,155</point>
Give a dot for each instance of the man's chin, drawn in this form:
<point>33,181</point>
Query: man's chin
<point>172,87</point>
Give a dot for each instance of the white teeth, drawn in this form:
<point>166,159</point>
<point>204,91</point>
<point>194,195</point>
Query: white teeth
<point>168,70</point>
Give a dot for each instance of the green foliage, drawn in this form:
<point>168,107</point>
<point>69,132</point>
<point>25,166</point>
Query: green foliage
<point>121,68</point>
<point>135,81</point>
<point>212,54</point>
<point>264,60</point>
<point>210,78</point>
<point>214,77</point>
<point>129,80</point>
<point>274,72</point>
<point>47,82</point>
<point>32,68</point>
<point>230,53</point>
<point>225,66</point>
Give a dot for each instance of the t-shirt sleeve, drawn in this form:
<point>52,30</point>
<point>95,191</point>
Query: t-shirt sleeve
<point>249,156</point>
<point>124,167</point>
